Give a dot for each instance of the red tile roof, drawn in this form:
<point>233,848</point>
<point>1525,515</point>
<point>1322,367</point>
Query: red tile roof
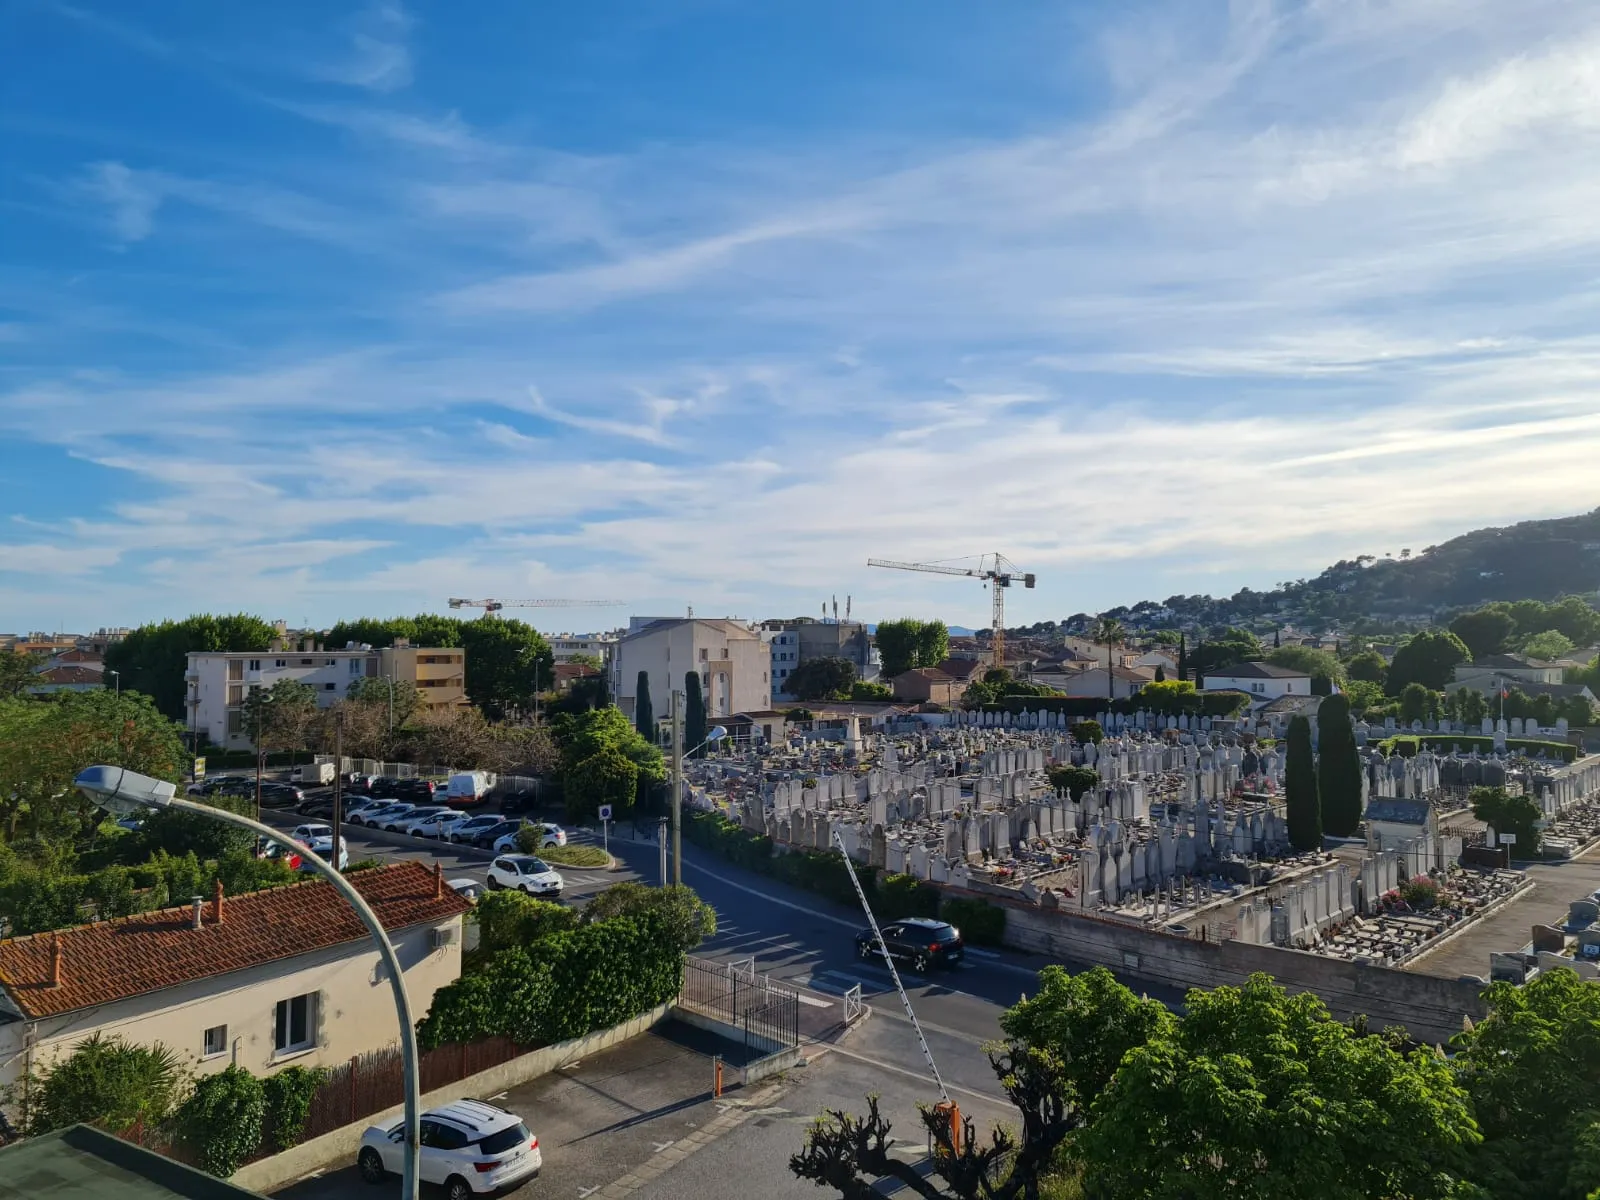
<point>132,956</point>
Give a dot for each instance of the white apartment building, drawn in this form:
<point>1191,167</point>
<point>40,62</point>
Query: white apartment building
<point>784,645</point>
<point>567,646</point>
<point>734,665</point>
<point>1264,682</point>
<point>219,681</point>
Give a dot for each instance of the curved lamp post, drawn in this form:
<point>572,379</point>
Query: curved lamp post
<point>715,734</point>
<point>123,792</point>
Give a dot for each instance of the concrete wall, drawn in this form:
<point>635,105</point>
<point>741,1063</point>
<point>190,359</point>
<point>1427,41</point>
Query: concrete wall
<point>1431,1009</point>
<point>354,1010</point>
<point>339,1146</point>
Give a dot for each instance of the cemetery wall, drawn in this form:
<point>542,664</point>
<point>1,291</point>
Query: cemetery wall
<point>1431,1009</point>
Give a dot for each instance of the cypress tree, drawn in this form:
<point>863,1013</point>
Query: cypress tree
<point>1300,788</point>
<point>1183,657</point>
<point>694,714</point>
<point>1338,767</point>
<point>644,717</point>
<point>1275,640</point>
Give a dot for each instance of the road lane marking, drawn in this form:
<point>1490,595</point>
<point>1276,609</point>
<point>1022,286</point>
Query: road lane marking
<point>813,1001</point>
<point>660,1146</point>
<point>928,1079</point>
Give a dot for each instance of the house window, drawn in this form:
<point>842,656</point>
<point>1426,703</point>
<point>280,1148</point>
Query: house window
<point>255,664</point>
<point>355,666</point>
<point>216,1041</point>
<point>281,662</point>
<point>305,662</point>
<point>328,687</point>
<point>330,662</point>
<point>705,654</point>
<point>293,1026</point>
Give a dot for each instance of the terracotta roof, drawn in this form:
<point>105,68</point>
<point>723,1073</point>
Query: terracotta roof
<point>69,674</point>
<point>132,956</point>
<point>962,668</point>
<point>568,671</point>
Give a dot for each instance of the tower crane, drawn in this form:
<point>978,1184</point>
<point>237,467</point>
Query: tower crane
<point>494,606</point>
<point>994,569</point>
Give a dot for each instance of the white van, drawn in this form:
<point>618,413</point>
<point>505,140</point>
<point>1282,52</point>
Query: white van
<point>468,787</point>
<point>317,774</point>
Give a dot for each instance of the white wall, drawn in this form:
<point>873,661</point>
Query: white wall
<point>355,1009</point>
<point>739,682</point>
<point>1261,690</point>
<point>328,672</point>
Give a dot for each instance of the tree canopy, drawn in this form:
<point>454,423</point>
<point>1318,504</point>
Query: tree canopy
<point>1505,813</point>
<point>1302,803</point>
<point>1338,767</point>
<point>821,678</point>
<point>1429,659</point>
<point>1367,667</point>
<point>279,717</point>
<point>1231,646</point>
<point>909,643</point>
<point>1485,631</point>
<point>153,658</point>
<point>1322,666</point>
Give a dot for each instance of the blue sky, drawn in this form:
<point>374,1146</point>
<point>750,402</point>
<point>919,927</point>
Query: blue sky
<point>322,309</point>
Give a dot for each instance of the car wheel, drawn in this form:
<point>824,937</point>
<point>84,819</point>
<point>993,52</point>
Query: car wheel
<point>371,1164</point>
<point>457,1188</point>
<point>919,964</point>
<point>863,950</point>
<point>493,884</point>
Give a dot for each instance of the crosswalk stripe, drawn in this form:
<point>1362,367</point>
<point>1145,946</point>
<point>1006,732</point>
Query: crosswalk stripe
<point>814,1001</point>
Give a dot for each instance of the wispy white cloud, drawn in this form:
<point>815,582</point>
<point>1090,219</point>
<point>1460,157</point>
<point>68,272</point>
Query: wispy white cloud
<point>379,54</point>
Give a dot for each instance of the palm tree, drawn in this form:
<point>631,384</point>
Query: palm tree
<point>1108,632</point>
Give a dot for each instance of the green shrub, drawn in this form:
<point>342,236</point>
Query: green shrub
<point>575,856</point>
<point>685,917</point>
<point>1406,745</point>
<point>981,923</point>
<point>105,1081</point>
<point>508,919</point>
<point>1075,781</point>
<point>1087,731</point>
<point>221,1120</point>
<point>288,1097</point>
<point>904,896</point>
<point>561,987</point>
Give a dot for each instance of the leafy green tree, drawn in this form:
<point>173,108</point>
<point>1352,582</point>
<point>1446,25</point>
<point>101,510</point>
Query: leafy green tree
<point>1550,644</point>
<point>506,919</point>
<point>694,715</point>
<point>1363,694</point>
<point>376,690</point>
<point>644,716</point>
<point>1484,632</point>
<point>862,690</point>
<point>507,661</point>
<point>1505,813</point>
<point>1303,807</point>
<point>1467,705</point>
<point>1230,647</point>
<point>1073,780</point>
<point>105,1081</point>
<point>153,658</point>
<point>1258,1095</point>
<point>288,1095</point>
<point>17,673</point>
<point>1367,667</point>
<point>279,717</point>
<point>1086,731</point>
<point>580,736</point>
<point>1322,666</point>
<point>1532,1068</point>
<point>1338,767</point>
<point>222,1119</point>
<point>822,678</point>
<point>909,643</point>
<point>603,778</point>
<point>1109,633</point>
<point>1169,696</point>
<point>683,916</point>
<point>1427,658</point>
<point>1576,618</point>
<point>1418,703</point>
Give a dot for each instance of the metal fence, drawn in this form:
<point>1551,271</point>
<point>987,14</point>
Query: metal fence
<point>768,1013</point>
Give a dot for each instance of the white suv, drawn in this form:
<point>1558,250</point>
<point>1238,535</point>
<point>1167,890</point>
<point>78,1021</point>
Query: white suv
<point>467,1146</point>
<point>524,873</point>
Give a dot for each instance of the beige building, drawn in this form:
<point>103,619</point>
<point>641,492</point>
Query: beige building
<point>1495,671</point>
<point>440,674</point>
<point>733,663</point>
<point>287,975</point>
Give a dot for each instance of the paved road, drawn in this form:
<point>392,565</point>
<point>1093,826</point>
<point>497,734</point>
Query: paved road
<point>805,941</point>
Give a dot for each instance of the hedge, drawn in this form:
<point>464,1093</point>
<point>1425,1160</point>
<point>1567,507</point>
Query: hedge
<point>221,1120</point>
<point>563,986</point>
<point>1406,745</point>
<point>891,896</point>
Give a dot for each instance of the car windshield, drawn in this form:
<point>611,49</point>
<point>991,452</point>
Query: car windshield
<point>507,1139</point>
<point>531,866</point>
<point>946,933</point>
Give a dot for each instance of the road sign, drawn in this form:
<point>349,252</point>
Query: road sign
<point>1508,839</point>
<point>199,770</point>
<point>605,812</point>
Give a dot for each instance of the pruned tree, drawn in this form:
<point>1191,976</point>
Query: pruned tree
<point>1304,809</point>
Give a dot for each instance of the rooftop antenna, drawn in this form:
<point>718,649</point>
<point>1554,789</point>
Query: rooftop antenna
<point>847,608</point>
<point>836,610</point>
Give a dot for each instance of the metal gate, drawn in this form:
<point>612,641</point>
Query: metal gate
<point>767,1013</point>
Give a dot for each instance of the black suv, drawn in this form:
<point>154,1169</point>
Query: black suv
<point>280,795</point>
<point>412,791</point>
<point>920,941</point>
<point>485,839</point>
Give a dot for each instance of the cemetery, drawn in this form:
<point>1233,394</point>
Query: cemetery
<point>1182,834</point>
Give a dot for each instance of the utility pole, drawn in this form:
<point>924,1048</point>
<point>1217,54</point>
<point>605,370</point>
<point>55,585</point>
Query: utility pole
<point>677,788</point>
<point>338,785</point>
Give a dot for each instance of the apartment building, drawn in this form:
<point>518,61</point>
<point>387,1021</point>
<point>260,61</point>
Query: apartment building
<point>734,665</point>
<point>784,645</point>
<point>564,647</point>
<point>440,674</point>
<point>220,680</point>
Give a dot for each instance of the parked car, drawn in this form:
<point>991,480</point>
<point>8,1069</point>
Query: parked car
<point>549,835</point>
<point>920,941</point>
<point>513,797</point>
<point>219,783</point>
<point>467,788</point>
<point>418,791</point>
<point>432,824</point>
<point>358,783</point>
<point>290,857</point>
<point>378,814</point>
<point>485,839</point>
<point>322,847</point>
<point>467,889</point>
<point>321,807</point>
<point>469,1146</point>
<point>311,829</point>
<point>409,822</point>
<point>524,873</point>
<point>280,795</point>
<point>469,827</point>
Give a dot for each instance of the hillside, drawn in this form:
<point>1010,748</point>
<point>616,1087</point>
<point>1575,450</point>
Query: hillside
<point>1537,560</point>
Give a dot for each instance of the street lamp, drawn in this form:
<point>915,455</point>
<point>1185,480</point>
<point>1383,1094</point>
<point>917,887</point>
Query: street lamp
<point>118,674</point>
<point>716,734</point>
<point>123,792</point>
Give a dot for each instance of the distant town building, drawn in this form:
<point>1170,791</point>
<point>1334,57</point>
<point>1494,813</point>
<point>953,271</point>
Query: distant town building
<point>220,680</point>
<point>734,665</point>
<point>564,647</point>
<point>438,673</point>
<point>1262,682</point>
